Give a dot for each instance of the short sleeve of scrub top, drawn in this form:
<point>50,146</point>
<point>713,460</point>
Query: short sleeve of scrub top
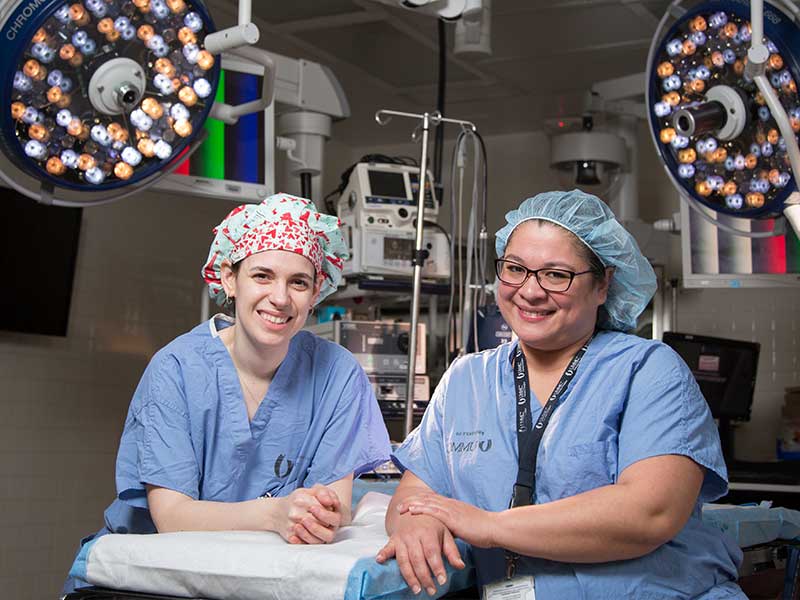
<point>424,451</point>
<point>355,439</point>
<point>166,451</point>
<point>667,414</point>
<point>159,424</point>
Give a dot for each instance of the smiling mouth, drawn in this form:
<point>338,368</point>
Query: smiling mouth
<point>273,319</point>
<point>534,314</point>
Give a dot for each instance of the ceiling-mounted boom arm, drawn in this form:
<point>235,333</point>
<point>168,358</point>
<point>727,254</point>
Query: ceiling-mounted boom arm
<point>757,57</point>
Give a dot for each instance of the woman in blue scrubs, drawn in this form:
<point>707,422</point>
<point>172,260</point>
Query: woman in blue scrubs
<point>574,461</point>
<point>251,423</point>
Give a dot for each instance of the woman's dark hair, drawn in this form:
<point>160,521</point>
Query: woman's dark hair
<point>229,308</point>
<point>595,264</point>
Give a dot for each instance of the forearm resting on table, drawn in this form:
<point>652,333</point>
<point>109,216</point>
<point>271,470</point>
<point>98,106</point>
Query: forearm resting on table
<point>642,511</point>
<point>173,511</point>
<point>404,490</point>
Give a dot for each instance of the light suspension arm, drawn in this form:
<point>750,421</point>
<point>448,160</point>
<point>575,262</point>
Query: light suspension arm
<point>757,58</point>
<point>230,114</point>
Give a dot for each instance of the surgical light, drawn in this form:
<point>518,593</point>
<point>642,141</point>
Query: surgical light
<point>713,127</point>
<point>103,93</point>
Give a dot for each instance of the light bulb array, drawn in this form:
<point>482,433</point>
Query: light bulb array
<point>62,134</point>
<point>739,175</point>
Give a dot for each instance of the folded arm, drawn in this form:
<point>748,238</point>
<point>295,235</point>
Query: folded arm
<point>307,515</point>
<point>648,506</point>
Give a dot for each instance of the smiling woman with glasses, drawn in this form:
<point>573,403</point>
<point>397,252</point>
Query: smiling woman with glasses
<point>576,458</point>
<point>551,279</point>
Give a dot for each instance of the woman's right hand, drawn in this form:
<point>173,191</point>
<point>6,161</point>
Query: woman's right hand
<point>296,521</point>
<point>418,544</point>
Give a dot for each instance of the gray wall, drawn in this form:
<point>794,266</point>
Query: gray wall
<point>63,400</point>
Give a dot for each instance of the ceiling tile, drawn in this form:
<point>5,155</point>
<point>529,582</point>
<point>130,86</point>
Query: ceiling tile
<point>384,52</point>
<point>572,71</point>
<point>285,12</point>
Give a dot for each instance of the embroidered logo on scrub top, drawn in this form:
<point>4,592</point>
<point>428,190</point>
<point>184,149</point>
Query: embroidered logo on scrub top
<point>282,471</point>
<point>470,445</point>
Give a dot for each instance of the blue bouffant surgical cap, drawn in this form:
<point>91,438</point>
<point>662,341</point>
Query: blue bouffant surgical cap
<point>588,217</point>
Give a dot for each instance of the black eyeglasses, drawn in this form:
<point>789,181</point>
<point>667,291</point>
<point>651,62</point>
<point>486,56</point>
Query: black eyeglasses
<point>552,280</point>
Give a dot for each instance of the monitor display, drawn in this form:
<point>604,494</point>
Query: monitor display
<point>387,184</point>
<point>724,369</point>
<point>715,258</point>
<point>235,161</point>
<point>413,179</point>
<point>397,248</point>
<point>40,244</point>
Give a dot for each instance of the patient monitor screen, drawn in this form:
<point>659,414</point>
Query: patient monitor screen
<point>387,184</point>
<point>724,369</point>
<point>397,248</point>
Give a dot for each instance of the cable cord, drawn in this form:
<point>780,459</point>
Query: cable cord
<point>480,272</point>
<point>466,309</point>
<point>440,101</point>
<point>471,286</point>
<point>435,225</point>
<point>483,235</point>
<point>473,266</point>
<point>481,163</point>
<point>456,191</point>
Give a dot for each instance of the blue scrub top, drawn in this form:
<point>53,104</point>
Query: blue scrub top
<point>631,399</point>
<point>187,427</point>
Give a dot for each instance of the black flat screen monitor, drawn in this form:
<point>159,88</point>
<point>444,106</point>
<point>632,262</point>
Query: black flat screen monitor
<point>724,369</point>
<point>39,245</point>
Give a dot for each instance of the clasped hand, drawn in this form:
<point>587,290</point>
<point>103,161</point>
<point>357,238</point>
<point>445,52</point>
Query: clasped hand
<point>424,533</point>
<point>309,515</point>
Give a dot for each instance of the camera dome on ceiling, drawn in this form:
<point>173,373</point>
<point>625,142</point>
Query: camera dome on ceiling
<point>589,160</point>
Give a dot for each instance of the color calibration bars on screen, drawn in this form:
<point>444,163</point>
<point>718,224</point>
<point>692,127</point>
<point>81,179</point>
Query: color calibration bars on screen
<point>232,152</point>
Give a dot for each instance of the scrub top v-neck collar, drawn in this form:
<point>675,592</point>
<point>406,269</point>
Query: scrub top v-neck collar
<point>246,429</point>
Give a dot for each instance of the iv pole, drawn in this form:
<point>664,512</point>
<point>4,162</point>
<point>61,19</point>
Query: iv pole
<point>418,259</point>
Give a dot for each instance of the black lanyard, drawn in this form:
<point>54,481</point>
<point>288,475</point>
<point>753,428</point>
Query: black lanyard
<point>529,436</point>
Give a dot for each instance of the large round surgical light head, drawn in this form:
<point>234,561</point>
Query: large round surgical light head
<point>100,94</point>
<point>589,160</point>
<point>713,128</point>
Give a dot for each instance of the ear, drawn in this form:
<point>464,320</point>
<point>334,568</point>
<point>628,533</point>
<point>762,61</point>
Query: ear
<point>602,286</point>
<point>317,289</point>
<point>228,276</point>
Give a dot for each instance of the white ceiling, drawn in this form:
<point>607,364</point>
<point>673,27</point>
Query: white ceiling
<point>546,54</point>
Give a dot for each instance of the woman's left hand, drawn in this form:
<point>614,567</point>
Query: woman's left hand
<point>322,520</point>
<point>471,524</point>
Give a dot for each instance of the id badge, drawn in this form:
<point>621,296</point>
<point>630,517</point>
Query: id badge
<point>516,588</point>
